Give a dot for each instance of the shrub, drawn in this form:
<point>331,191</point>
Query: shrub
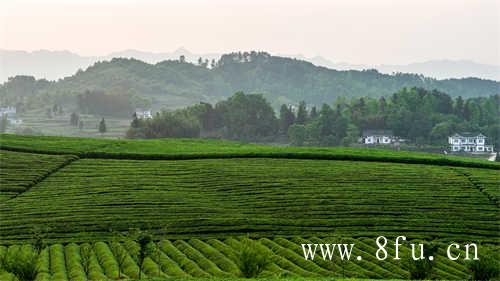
<point>422,268</point>
<point>86,254</point>
<point>22,262</point>
<point>486,268</point>
<point>252,260</point>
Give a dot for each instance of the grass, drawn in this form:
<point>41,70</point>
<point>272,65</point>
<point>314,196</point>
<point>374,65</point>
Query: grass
<point>59,125</point>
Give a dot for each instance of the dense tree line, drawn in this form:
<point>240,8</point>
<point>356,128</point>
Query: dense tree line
<point>418,115</point>
<point>244,117</point>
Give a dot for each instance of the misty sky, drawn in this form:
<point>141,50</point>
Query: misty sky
<point>368,32</point>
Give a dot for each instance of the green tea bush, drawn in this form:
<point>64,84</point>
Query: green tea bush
<point>423,268</point>
<point>487,267</point>
<point>182,260</point>
<point>21,261</point>
<point>252,259</point>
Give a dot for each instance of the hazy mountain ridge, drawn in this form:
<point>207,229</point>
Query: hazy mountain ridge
<point>173,83</point>
<point>439,69</point>
<point>54,65</point>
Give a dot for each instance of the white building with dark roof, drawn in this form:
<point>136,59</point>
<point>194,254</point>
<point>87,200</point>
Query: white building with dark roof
<point>469,142</point>
<point>378,137</point>
<point>143,113</point>
<point>10,113</point>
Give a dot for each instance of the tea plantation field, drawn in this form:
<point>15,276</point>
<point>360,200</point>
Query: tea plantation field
<point>90,198</point>
<point>218,258</point>
<point>199,197</point>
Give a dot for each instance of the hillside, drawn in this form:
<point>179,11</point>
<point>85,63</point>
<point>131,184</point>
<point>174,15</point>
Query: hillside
<point>54,65</point>
<point>282,80</point>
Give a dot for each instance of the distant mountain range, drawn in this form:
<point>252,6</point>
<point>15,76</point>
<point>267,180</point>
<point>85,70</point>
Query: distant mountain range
<point>439,69</point>
<point>54,65</point>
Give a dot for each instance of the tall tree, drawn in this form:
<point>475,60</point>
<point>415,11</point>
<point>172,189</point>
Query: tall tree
<point>326,121</point>
<point>314,113</point>
<point>301,113</point>
<point>102,126</point>
<point>287,118</point>
<point>73,119</point>
<point>459,107</point>
<point>4,122</point>
<point>247,116</point>
<point>135,121</point>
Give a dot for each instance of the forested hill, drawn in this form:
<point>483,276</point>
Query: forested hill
<point>282,80</point>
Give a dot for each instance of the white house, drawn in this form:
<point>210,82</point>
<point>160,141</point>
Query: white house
<point>10,113</point>
<point>378,137</point>
<point>469,142</point>
<point>8,110</point>
<point>143,113</point>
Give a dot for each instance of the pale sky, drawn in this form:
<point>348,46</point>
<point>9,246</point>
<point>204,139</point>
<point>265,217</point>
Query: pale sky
<point>365,32</point>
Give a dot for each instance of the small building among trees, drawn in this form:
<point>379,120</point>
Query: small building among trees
<point>9,112</point>
<point>469,142</point>
<point>143,113</point>
<point>378,137</point>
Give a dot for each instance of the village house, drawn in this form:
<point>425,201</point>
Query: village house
<point>379,137</point>
<point>143,113</point>
<point>469,142</point>
<point>10,113</point>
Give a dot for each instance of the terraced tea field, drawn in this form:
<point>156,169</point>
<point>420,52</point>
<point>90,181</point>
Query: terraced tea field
<point>218,258</point>
<point>20,171</point>
<point>83,201</point>
<point>178,149</point>
<point>200,197</point>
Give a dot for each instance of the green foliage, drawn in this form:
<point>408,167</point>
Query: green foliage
<point>165,125</point>
<point>278,77</point>
<point>74,119</point>
<point>297,134</point>
<point>301,113</point>
<point>4,123</point>
<point>102,126</point>
<point>21,171</point>
<point>272,257</point>
<point>287,118</point>
<point>252,259</point>
<point>86,254</point>
<point>97,184</point>
<point>417,115</point>
<point>247,117</point>
<point>487,267</point>
<point>175,149</point>
<point>120,255</point>
<point>100,103</point>
<point>20,87</point>
<point>21,261</point>
<point>422,268</point>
